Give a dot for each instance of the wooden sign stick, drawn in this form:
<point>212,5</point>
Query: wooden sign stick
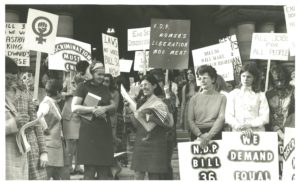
<point>167,77</point>
<point>145,63</point>
<point>267,76</point>
<point>37,75</point>
<point>268,71</point>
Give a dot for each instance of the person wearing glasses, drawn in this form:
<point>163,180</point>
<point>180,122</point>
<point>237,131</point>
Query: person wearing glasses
<point>16,164</point>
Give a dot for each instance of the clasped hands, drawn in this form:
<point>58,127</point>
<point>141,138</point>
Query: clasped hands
<point>204,138</point>
<point>99,111</point>
<point>246,129</point>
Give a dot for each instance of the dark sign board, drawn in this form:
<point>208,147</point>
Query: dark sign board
<point>169,43</point>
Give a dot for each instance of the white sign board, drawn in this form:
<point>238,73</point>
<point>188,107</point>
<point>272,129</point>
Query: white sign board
<point>125,65</point>
<point>273,46</point>
<point>15,36</point>
<point>290,19</point>
<point>289,154</point>
<point>111,55</point>
<point>235,52</point>
<point>41,31</point>
<point>67,53</point>
<point>219,56</point>
<point>254,158</point>
<point>196,163</point>
<point>138,39</point>
<point>139,61</point>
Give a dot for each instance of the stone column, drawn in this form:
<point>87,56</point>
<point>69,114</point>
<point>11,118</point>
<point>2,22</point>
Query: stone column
<point>290,64</point>
<point>244,36</point>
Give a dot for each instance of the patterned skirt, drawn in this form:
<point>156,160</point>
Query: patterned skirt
<point>35,171</point>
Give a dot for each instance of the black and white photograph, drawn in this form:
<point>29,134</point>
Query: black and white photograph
<point>156,91</point>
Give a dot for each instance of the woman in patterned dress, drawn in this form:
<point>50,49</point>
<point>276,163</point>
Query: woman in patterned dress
<point>37,156</point>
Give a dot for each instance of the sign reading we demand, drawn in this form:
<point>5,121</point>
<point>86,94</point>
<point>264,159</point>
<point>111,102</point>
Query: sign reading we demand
<point>169,43</point>
<point>254,158</point>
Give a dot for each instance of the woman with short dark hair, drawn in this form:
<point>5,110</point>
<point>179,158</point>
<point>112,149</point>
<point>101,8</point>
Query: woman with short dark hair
<point>52,116</point>
<point>247,107</point>
<point>206,111</point>
<point>150,149</point>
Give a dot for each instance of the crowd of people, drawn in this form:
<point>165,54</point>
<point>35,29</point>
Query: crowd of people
<point>71,131</point>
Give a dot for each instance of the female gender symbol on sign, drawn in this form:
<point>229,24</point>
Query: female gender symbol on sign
<point>42,27</point>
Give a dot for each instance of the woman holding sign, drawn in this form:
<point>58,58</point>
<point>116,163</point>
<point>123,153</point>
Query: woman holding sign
<point>206,112</point>
<point>247,107</point>
<point>16,163</point>
<point>95,147</point>
<point>150,150</point>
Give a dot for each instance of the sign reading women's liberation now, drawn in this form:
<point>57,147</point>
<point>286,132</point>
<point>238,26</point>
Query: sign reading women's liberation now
<point>254,158</point>
<point>219,56</point>
<point>67,53</point>
<point>138,39</point>
<point>41,31</point>
<point>169,43</point>
<point>111,55</point>
<point>196,163</point>
<point>15,37</point>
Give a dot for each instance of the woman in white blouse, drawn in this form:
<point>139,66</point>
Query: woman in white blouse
<point>247,107</point>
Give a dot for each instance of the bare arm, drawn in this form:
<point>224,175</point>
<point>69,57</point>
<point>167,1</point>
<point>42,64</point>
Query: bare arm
<point>78,108</point>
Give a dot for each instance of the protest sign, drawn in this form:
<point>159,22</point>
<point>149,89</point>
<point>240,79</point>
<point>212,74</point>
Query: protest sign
<point>138,39</point>
<point>269,46</point>
<point>125,65</point>
<point>67,53</point>
<point>41,31</point>
<point>253,158</point>
<point>139,61</point>
<point>196,163</point>
<point>290,19</point>
<point>15,36</point>
<point>219,56</point>
<point>111,55</point>
<point>235,53</point>
<point>169,43</point>
<point>289,155</point>
<point>280,156</point>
